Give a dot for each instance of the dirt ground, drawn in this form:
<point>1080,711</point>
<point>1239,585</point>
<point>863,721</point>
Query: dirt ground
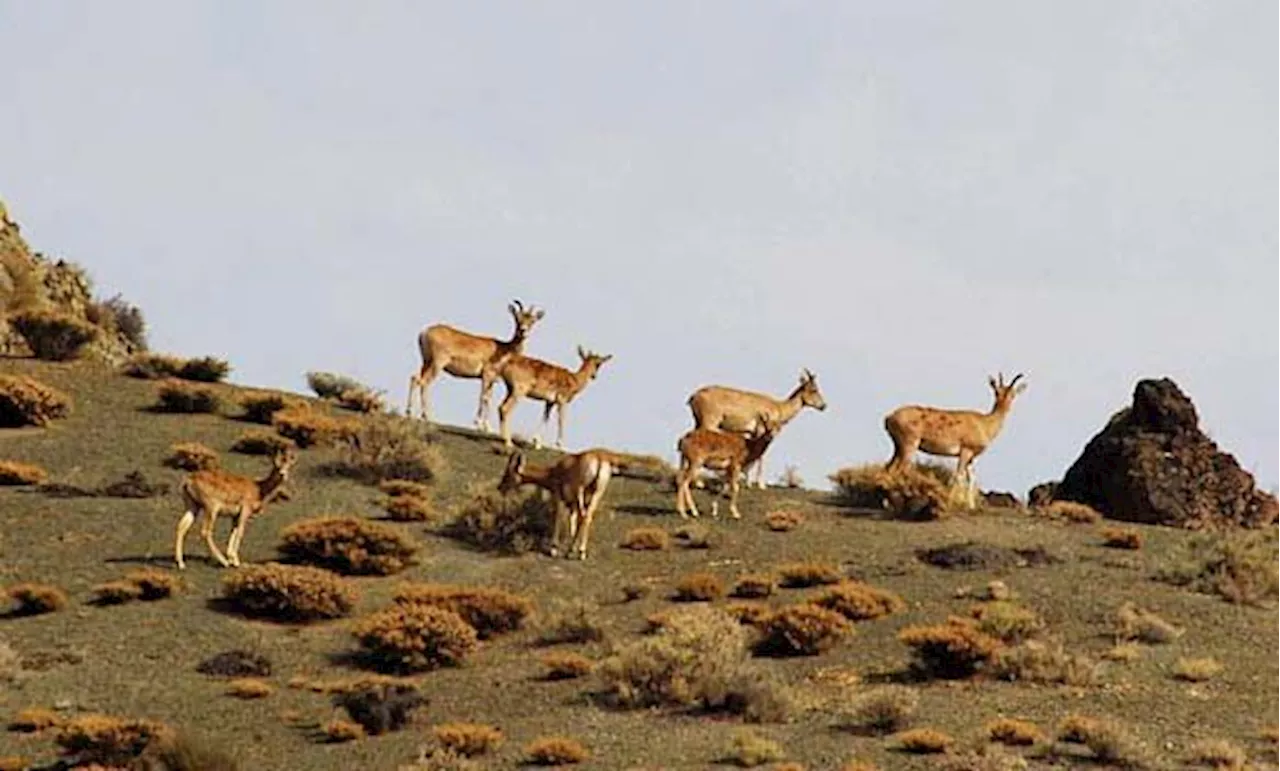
<point>139,659</point>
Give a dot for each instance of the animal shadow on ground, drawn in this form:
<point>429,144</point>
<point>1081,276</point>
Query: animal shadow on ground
<point>977,555</point>
<point>644,510</point>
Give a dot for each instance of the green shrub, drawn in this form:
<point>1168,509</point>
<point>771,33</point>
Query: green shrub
<point>52,335</point>
<point>118,315</point>
<point>387,447</point>
<point>510,524</point>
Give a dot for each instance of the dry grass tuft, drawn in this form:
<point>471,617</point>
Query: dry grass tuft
<point>922,741</point>
<point>339,731</point>
<point>34,720</point>
<point>783,521</point>
<point>349,545</point>
<point>1242,567</point>
<point>414,638</point>
<point>330,385</point>
<point>1109,742</point>
<point>1069,511</point>
<point>153,366</point>
<point>288,592</point>
<point>694,536</point>
<point>1134,623</point>
<point>918,492</point>
<point>699,587</point>
<point>566,666</point>
<point>883,710</point>
<point>191,456</point>
<point>385,447</point>
<point>31,599</point>
<point>408,508</point>
<point>259,442</point>
<point>1217,753</point>
<point>468,739</point>
<point>1017,733</point>
<point>175,396</point>
<point>1121,538</point>
<point>107,740</point>
<point>555,751</point>
<point>53,335</point>
<point>802,630</point>
<point>575,625</point>
<point>801,575</point>
<point>860,602</point>
<point>15,474</point>
<point>310,428</point>
<point>26,401</point>
<point>750,749</point>
<point>261,407</point>
<point>490,611</point>
<point>142,584</point>
<point>249,688</point>
<point>205,369</point>
<point>1123,652</point>
<point>1007,620</point>
<point>952,650</point>
<point>646,539</point>
<point>507,524</point>
<point>404,488</point>
<point>1196,670</point>
<point>1034,661</point>
<point>755,585</point>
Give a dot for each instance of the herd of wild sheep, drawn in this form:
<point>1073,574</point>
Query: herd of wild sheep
<point>732,430</point>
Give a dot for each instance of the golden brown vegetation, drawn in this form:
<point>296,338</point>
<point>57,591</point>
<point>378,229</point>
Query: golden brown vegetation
<point>34,719</point>
<point>1135,623</point>
<point>802,630</point>
<point>32,599</point>
<point>750,749</point>
<point>261,406</point>
<point>1121,538</point>
<point>510,524</point>
<point>249,688</point>
<point>1035,661</point>
<point>883,710</point>
<point>26,401</point>
<point>646,539</point>
<point>261,443</point>
<point>566,666</point>
<point>755,585</point>
<point>414,638</point>
<point>179,397</point>
<point>108,740</point>
<point>1069,511</point>
<point>952,650</point>
<point>339,731</point>
<point>922,741</point>
<point>310,428</point>
<point>1018,733</point>
<point>490,611</point>
<point>387,447</point>
<point>1109,742</point>
<point>1217,753</point>
<point>142,584</point>
<point>699,587</point>
<point>16,474</point>
<point>916,491</point>
<point>191,456</point>
<point>51,334</point>
<point>783,521</point>
<point>1196,670</point>
<point>408,508</point>
<point>1007,620</point>
<point>348,545</point>
<point>467,739</point>
<point>288,592</point>
<point>555,751</point>
<point>860,602</point>
<point>800,575</point>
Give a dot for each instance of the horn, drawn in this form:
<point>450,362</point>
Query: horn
<point>809,374</point>
<point>519,305</point>
<point>1016,378</point>
<point>582,353</point>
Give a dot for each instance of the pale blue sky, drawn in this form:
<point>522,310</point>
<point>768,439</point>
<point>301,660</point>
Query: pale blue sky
<point>902,196</point>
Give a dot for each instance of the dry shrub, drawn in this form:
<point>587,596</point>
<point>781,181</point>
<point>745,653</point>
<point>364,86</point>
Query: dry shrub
<point>14,763</point>
<point>1270,734</point>
<point>432,758</point>
<point>249,688</point>
<point>236,663</point>
<point>363,400</point>
<point>191,456</point>
<point>1034,661</point>
<point>348,545</point>
<point>1134,623</point>
<point>388,447</point>
<point>178,397</point>
<point>15,474</point>
<point>698,659</point>
<point>261,407</point>
<point>951,650</point>
<point>1109,742</point>
<point>34,719</point>
<point>1069,511</point>
<point>26,401</point>
<point>1007,620</point>
<point>755,585</point>
<point>554,751</point>
<point>749,613</point>
<point>339,731</point>
<point>413,638</point>
<point>633,592</point>
<point>180,753</point>
<point>693,536</point>
<point>860,602</point>
<point>802,630</point>
<point>1241,567</point>
<point>262,443</point>
<point>923,741</point>
<point>699,587</point>
<point>859,765</point>
<point>490,611</point>
<point>32,599</point>
<point>468,739</point>
<point>507,524</point>
<point>142,584</point>
<point>1121,538</point>
<point>1217,753</point>
<point>205,369</point>
<point>379,706</point>
<point>646,539</point>
<point>575,625</point>
<point>918,492</point>
<point>883,710</point>
<point>750,749</point>
<point>783,521</point>
<point>153,366</point>
<point>288,592</point>
<point>1196,670</point>
<point>408,508</point>
<point>108,740</point>
<point>309,428</point>
<point>1124,652</point>
<point>800,575</point>
<point>566,666</point>
<point>330,385</point>
<point>790,478</point>
<point>404,488</point>
<point>52,335</point>
<point>116,314</point>
<point>1017,733</point>
<point>25,281</point>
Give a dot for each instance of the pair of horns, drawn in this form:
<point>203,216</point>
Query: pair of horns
<point>999,383</point>
<point>805,374</point>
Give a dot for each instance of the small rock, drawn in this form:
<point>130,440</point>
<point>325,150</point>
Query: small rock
<point>998,590</point>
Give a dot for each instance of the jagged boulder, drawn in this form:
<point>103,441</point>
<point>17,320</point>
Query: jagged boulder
<point>1152,463</point>
<point>29,280</point>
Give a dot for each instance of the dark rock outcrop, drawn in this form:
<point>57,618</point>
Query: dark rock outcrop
<point>1042,494</point>
<point>1151,463</point>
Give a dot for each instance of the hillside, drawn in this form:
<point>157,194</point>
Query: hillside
<point>139,659</point>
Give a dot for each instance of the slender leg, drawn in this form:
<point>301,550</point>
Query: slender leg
<point>758,466</point>
<point>504,415</point>
<point>425,378</point>
<point>237,535</point>
<point>733,478</point>
<point>560,425</point>
<point>408,403</point>
<point>487,380</point>
<point>206,530</point>
<point>184,525</point>
<point>558,526</point>
<point>597,495</point>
